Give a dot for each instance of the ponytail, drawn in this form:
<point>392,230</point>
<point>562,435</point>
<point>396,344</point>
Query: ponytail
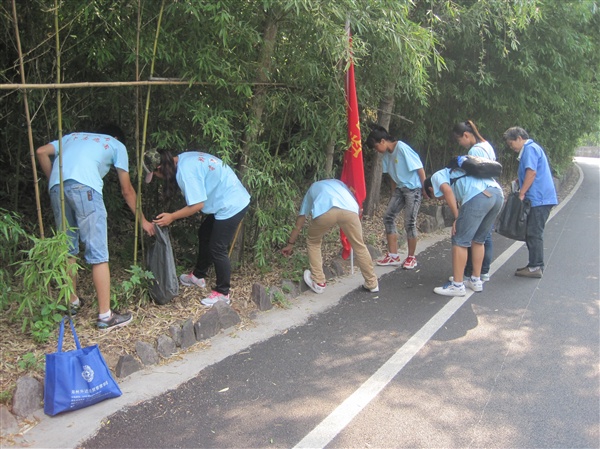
<point>467,127</point>
<point>168,171</point>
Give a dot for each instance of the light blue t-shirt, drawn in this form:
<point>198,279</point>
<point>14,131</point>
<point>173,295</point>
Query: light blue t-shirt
<point>87,158</point>
<point>484,150</point>
<point>326,194</point>
<point>464,188</point>
<point>205,178</point>
<point>542,191</point>
<point>402,165</point>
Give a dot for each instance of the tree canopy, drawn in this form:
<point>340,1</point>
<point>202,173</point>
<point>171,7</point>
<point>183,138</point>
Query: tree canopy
<point>264,84</point>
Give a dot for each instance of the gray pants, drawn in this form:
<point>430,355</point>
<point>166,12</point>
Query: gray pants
<point>408,200</point>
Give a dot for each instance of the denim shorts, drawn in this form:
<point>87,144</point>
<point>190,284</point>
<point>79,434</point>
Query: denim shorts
<point>476,217</point>
<point>86,216</point>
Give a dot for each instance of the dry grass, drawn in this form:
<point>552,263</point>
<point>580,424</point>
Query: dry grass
<point>151,320</point>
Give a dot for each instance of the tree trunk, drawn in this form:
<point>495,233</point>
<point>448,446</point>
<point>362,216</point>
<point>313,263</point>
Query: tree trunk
<point>255,117</point>
<point>260,94</point>
<point>329,152</point>
<point>384,116</point>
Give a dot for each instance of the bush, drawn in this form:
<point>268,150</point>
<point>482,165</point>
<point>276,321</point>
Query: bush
<point>36,281</point>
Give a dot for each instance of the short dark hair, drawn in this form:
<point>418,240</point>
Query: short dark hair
<point>113,130</point>
<point>514,132</point>
<point>376,135</point>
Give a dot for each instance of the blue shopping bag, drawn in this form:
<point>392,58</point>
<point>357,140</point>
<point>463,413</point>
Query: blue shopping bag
<point>76,379</point>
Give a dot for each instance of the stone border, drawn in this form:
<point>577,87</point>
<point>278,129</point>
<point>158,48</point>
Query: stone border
<point>28,395</point>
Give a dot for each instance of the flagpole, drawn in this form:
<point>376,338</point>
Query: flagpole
<point>348,34</point>
<point>353,172</point>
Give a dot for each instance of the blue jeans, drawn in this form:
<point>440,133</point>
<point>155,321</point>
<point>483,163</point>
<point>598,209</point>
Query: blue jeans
<point>476,217</point>
<point>214,237</point>
<point>86,217</point>
<point>536,223</point>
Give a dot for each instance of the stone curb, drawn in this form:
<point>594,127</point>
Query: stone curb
<point>28,396</point>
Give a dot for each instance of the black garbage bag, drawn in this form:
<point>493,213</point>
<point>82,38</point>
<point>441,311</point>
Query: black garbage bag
<point>161,263</point>
<point>512,220</point>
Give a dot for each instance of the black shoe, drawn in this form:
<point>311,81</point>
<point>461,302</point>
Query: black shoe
<point>75,308</point>
<point>115,320</point>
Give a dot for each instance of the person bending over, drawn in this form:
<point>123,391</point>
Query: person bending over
<point>211,187</point>
<point>86,159</point>
<point>474,203</point>
<point>330,203</point>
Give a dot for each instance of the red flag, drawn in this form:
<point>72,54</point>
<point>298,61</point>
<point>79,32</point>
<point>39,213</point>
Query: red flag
<point>353,174</point>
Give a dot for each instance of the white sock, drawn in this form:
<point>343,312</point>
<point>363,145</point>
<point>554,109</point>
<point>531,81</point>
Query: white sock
<point>105,316</point>
<point>458,284</point>
<point>475,279</point>
<point>394,255</point>
<point>76,302</point>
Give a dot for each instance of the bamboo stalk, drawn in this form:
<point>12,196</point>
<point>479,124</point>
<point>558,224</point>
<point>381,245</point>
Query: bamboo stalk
<point>137,125</point>
<point>59,113</point>
<point>145,126</point>
<point>150,82</point>
<point>28,118</point>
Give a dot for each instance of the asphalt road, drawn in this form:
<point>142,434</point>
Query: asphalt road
<point>513,366</point>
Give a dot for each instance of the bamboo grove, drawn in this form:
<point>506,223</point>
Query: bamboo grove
<point>259,83</point>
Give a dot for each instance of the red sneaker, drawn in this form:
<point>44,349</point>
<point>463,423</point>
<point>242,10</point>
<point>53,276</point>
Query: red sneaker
<point>389,261</point>
<point>410,263</point>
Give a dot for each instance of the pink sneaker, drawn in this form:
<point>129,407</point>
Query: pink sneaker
<point>410,263</point>
<point>389,261</point>
<point>214,296</point>
<point>189,279</point>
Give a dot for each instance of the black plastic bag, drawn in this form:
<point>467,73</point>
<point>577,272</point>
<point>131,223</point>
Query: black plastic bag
<point>512,220</point>
<point>161,263</point>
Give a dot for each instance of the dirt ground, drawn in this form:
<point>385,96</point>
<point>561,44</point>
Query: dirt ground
<point>151,320</point>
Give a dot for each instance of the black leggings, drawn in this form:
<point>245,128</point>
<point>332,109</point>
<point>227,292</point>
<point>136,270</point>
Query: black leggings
<point>214,237</point>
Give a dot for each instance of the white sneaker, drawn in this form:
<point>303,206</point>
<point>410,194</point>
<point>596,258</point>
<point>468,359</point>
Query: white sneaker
<point>476,286</point>
<point>317,288</point>
<point>214,296</point>
<point>372,290</point>
<point>189,280</point>
<point>484,278</point>
<point>449,289</point>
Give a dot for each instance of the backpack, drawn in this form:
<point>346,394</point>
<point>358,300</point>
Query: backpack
<point>477,167</point>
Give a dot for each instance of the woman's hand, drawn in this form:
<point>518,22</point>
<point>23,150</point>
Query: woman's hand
<point>164,219</point>
<point>288,250</point>
<point>148,227</point>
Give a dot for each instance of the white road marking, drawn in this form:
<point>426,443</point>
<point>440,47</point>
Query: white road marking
<point>337,420</point>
